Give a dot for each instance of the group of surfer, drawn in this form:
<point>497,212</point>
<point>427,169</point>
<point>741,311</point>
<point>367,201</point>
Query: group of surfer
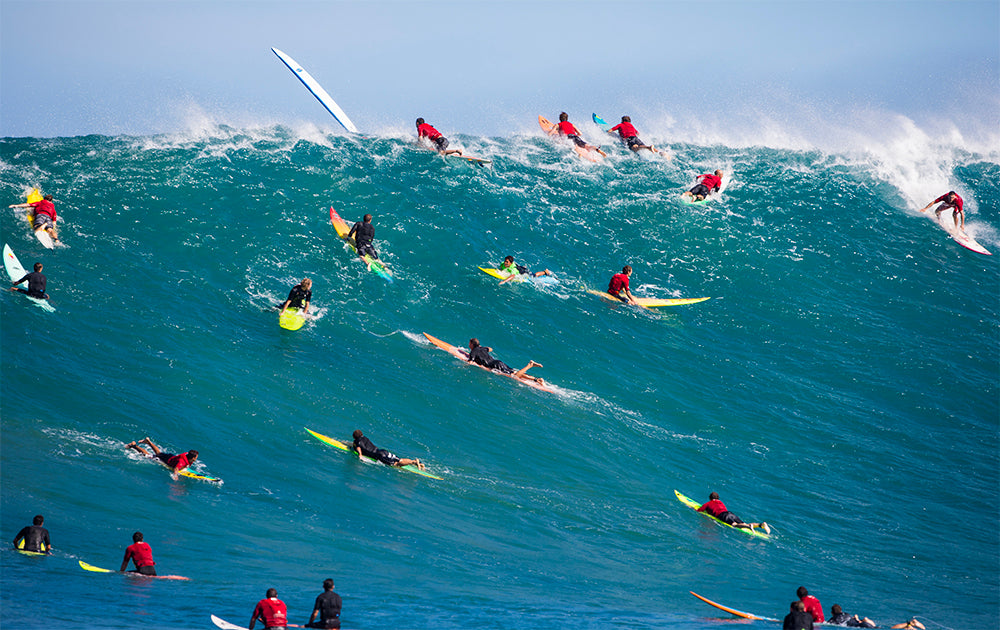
<point>274,613</point>
<point>806,611</point>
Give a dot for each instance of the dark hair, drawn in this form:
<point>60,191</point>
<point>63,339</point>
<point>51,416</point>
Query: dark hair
<point>137,537</point>
<point>192,453</point>
<point>627,269</point>
<point>38,520</point>
<point>328,584</point>
<point>563,117</point>
<point>801,592</point>
<point>474,342</point>
<point>510,258</point>
<point>357,434</point>
<point>798,605</point>
<point>368,218</point>
<point>714,496</point>
<point>420,121</point>
<point>272,592</point>
<point>626,119</point>
<point>47,197</point>
<point>836,609</point>
<point>38,266</point>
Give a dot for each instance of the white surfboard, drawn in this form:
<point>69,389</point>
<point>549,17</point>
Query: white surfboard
<point>960,236</point>
<point>317,90</point>
<point>16,272</point>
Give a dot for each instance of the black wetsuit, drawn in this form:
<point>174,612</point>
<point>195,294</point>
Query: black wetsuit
<point>798,620</point>
<point>328,604</point>
<point>364,234</point>
<point>298,296</point>
<point>36,538</point>
<point>36,285</point>
<point>365,446</point>
<point>481,356</point>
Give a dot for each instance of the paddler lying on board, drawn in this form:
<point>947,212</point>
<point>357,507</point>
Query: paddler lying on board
<point>630,137</point>
<point>515,271</point>
<point>619,284</point>
<point>363,233</point>
<point>717,509</point>
<point>839,618</point>
<point>174,462</point>
<point>365,447</point>
<point>36,284</point>
<point>480,355</point>
<point>708,184</point>
<point>440,142</point>
<point>568,130</point>
<point>44,215</point>
<point>299,296</point>
<point>954,202</point>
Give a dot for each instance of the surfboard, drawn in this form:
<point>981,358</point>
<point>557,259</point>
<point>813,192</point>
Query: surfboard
<point>225,625</point>
<point>375,266</point>
<point>471,159</point>
<point>732,611</point>
<point>291,319</point>
<point>190,474</point>
<point>500,275</point>
<point>691,503</point>
<point>368,460</point>
<point>16,272</point>
<point>20,549</point>
<point>317,90</point>
<point>92,568</point>
<point>43,237</point>
<point>463,355</point>
<point>649,302</point>
<point>960,236</point>
<point>599,122</point>
<point>549,128</point>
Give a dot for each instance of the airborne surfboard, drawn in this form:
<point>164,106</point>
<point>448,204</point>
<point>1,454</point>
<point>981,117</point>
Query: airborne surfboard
<point>317,90</point>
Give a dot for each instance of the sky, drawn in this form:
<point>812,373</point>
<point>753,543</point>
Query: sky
<point>137,67</point>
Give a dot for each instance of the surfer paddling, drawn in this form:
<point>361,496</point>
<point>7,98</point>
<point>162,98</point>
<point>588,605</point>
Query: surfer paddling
<point>952,201</point>
<point>299,297</point>
<point>44,215</point>
<point>630,137</point>
<point>569,131</point>
<point>365,447</point>
<point>433,135</point>
<point>175,463</point>
<point>717,509</point>
<point>363,233</point>
<point>480,355</point>
<point>515,271</point>
<point>709,183</point>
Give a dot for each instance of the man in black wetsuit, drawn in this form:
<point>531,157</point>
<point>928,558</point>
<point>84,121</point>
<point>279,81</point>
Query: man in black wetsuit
<point>35,537</point>
<point>299,296</point>
<point>36,284</point>
<point>328,605</point>
<point>364,233</point>
<point>480,355</point>
<point>365,447</point>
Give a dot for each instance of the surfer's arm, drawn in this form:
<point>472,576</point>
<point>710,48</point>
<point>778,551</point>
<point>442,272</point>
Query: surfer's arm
<point>128,555</point>
<point>305,309</point>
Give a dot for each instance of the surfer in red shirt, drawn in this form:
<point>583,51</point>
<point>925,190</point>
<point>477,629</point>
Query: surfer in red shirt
<point>141,554</point>
<point>629,136</point>
<point>813,607</point>
<point>708,184</point>
<point>440,142</point>
<point>45,215</point>
<point>173,462</point>
<point>619,283</point>
<point>271,610</point>
<point>950,200</point>
<point>569,131</point>
<point>717,509</point>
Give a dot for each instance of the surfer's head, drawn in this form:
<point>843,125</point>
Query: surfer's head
<point>473,343</point>
<point>357,435</point>
<point>47,197</point>
<point>38,520</point>
<point>626,119</point>
<point>272,593</point>
<point>367,218</point>
<point>836,609</point>
<point>951,195</point>
<point>714,496</point>
<point>192,455</point>
<point>327,584</point>
<point>508,261</point>
<point>38,266</point>
<point>137,537</point>
<point>718,172</point>
<point>563,117</point>
<point>627,269</point>
<point>306,283</point>
<point>797,606</point>
<point>420,121</point>
<point>801,592</point>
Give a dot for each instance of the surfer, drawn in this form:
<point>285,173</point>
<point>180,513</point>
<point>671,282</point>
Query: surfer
<point>174,462</point>
<point>839,618</point>
<point>440,142</point>
<point>365,447</point>
<point>141,554</point>
<point>271,610</point>
<point>811,603</point>
<point>480,355</point>
<point>513,271</point>
<point>717,509</point>
<point>328,605</point>
<point>954,202</point>
<point>709,183</point>
<point>797,618</point>
<point>569,130</point>
<point>36,284</point>
<point>35,537</point>
<point>619,283</point>
<point>44,215</point>
<point>299,296</point>
<point>364,233</point>
<point>630,137</point>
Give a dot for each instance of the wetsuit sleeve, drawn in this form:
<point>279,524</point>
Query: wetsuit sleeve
<point>20,535</point>
<point>21,280</point>
<point>354,228</point>
<point>702,508</point>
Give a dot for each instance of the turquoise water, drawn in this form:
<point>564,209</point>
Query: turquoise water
<point>841,384</point>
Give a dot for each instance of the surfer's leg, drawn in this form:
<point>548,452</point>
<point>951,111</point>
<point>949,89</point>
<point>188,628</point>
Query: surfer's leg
<point>156,449</point>
<point>136,447</point>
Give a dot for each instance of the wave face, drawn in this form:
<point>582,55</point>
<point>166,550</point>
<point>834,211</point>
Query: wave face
<point>841,384</point>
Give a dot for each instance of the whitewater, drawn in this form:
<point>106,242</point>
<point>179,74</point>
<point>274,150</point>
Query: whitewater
<point>840,384</point>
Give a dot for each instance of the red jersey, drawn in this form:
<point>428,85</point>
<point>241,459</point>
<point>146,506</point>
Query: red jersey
<point>714,507</point>
<point>46,207</point>
<point>566,128</point>
<point>625,130</point>
<point>957,203</point>
<point>141,553</point>
<point>179,462</point>
<point>711,180</point>
<point>273,611</point>
<point>618,282</point>
<point>813,607</point>
<point>426,131</point>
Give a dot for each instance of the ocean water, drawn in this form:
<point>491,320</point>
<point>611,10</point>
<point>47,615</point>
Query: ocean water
<point>841,384</point>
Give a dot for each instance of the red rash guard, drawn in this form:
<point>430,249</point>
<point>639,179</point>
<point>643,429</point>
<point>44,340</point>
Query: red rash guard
<point>618,282</point>
<point>178,462</point>
<point>426,131</point>
<point>714,507</point>
<point>625,130</point>
<point>566,128</point>
<point>46,207</point>
<point>813,607</point>
<point>957,204</point>
<point>141,553</point>
<point>712,181</point>
<point>274,612</point>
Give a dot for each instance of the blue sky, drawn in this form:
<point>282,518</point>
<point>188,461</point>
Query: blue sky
<point>487,68</point>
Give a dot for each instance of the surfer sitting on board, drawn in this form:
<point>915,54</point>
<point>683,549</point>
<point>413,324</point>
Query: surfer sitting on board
<point>839,618</point>
<point>299,296</point>
<point>811,604</point>
<point>35,537</point>
<point>798,618</point>
<point>950,200</point>
<point>327,606</point>
<point>480,355</point>
<point>141,554</point>
<point>619,283</point>
<point>717,509</point>
<point>440,142</point>
<point>363,233</point>
<point>36,284</point>
<point>364,446</point>
<point>630,137</point>
<point>513,271</point>
<point>709,183</point>
<point>45,215</point>
<point>569,130</point>
<point>173,462</point>
<point>272,610</point>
